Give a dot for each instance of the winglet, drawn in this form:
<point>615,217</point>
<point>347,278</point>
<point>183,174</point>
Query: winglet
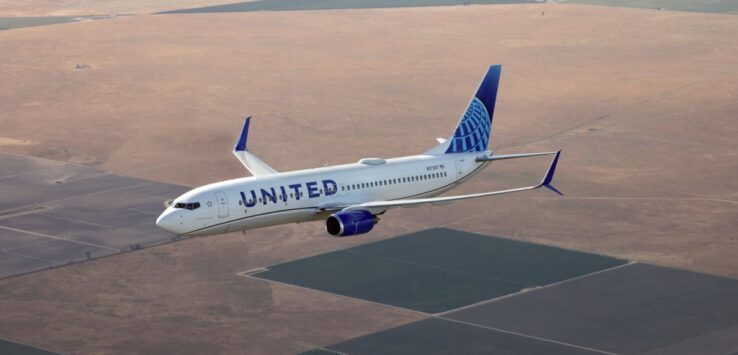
<point>241,143</point>
<point>550,175</point>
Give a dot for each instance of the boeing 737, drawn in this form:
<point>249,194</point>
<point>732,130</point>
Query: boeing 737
<point>350,197</point>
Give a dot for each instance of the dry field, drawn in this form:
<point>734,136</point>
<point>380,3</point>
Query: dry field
<point>97,7</point>
<point>644,104</point>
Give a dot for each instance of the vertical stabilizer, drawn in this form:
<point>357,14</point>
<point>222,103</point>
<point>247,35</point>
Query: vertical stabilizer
<point>473,130</point>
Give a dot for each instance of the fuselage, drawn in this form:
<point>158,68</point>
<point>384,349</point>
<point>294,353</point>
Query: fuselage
<point>307,195</point>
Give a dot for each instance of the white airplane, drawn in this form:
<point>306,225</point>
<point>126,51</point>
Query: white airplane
<point>348,197</point>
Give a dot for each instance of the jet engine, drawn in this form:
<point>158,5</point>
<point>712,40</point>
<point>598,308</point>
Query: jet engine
<point>346,223</point>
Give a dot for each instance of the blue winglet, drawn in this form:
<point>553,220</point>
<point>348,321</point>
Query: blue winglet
<point>550,175</point>
<point>241,144</point>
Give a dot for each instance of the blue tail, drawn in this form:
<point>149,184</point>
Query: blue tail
<point>472,132</point>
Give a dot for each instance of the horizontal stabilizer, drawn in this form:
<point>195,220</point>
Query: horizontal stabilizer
<point>512,156</point>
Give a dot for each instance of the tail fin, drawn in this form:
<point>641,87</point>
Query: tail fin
<point>472,131</point>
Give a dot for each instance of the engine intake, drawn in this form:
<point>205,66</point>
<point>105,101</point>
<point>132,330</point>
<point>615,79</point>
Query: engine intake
<point>346,223</point>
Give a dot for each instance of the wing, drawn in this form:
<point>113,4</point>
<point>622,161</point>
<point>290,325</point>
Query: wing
<point>492,157</point>
<point>254,165</point>
<point>379,206</point>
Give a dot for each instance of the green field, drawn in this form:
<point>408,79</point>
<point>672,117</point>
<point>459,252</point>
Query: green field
<point>718,6</point>
<point>437,270</point>
<point>287,5</point>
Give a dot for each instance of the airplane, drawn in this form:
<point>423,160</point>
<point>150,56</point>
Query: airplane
<point>350,197</point>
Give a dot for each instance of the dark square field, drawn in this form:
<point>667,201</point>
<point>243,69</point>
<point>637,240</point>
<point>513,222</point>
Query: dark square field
<point>53,214</point>
<point>635,309</point>
<point>437,270</point>
<point>441,336</point>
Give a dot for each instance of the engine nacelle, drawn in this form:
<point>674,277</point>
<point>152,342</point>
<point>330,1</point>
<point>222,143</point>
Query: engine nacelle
<point>346,223</point>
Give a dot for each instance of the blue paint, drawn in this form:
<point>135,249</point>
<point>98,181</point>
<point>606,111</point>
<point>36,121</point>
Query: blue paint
<point>284,193</point>
<point>355,221</point>
<point>296,187</point>
<point>312,187</point>
<point>249,203</point>
<point>272,196</point>
<point>472,132</point>
<point>330,187</point>
<point>241,144</point>
<point>550,175</point>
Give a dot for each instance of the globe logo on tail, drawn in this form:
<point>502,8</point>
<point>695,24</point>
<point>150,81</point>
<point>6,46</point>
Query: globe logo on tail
<point>472,133</point>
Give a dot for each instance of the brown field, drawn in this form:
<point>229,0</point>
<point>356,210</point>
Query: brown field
<point>97,7</point>
<point>644,104</point>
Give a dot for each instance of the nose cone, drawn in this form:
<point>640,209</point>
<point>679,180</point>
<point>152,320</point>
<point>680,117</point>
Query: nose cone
<point>171,221</point>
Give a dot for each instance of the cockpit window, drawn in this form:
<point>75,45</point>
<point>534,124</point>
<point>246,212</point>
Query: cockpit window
<point>187,206</point>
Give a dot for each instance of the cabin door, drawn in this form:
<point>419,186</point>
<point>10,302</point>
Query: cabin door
<point>222,204</point>
<point>459,168</point>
